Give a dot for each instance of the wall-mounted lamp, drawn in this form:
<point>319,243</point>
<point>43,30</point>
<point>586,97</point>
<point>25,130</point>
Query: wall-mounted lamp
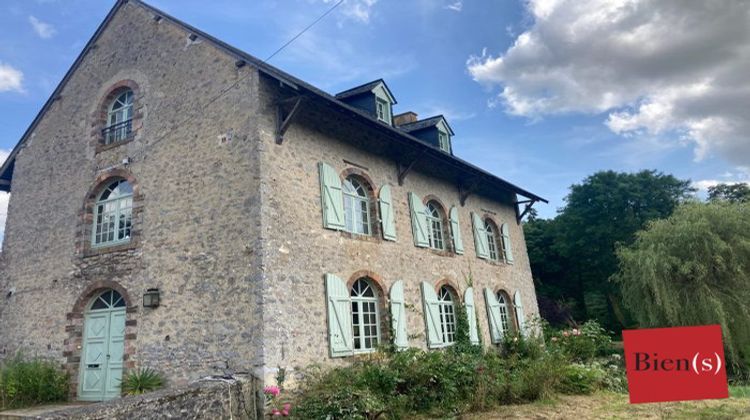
<point>151,298</point>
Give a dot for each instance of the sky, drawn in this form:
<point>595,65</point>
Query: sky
<point>542,93</point>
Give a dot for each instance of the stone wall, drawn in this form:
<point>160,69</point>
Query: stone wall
<point>196,224</point>
<point>298,251</point>
<point>204,399</point>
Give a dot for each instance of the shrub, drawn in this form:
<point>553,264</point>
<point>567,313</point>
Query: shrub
<point>580,379</point>
<point>582,344</point>
<point>30,382</point>
<point>141,381</point>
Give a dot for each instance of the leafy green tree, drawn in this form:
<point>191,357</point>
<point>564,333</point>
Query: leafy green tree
<point>693,269</point>
<point>573,255</point>
<point>733,193</point>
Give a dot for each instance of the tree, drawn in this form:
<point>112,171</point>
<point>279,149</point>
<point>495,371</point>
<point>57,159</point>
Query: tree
<point>693,269</point>
<point>733,193</point>
<point>573,255</point>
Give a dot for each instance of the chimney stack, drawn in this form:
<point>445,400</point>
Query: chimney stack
<point>404,118</point>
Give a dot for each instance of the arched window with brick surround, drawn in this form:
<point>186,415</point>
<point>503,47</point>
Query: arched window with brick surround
<point>119,118</point>
<point>113,214</point>
<point>357,212</point>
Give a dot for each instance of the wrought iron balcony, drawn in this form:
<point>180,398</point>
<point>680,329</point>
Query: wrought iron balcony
<point>117,132</point>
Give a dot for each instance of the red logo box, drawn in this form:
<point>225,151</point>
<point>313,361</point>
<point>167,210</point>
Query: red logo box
<point>675,364</point>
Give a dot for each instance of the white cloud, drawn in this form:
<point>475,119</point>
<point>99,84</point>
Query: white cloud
<point>358,10</point>
<point>456,6</point>
<point>44,30</point>
<point>669,68</point>
<point>4,197</point>
<point>10,79</point>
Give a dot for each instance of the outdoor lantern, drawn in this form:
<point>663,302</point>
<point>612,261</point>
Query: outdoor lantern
<point>151,298</point>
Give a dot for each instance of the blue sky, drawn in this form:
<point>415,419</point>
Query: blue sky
<point>542,92</point>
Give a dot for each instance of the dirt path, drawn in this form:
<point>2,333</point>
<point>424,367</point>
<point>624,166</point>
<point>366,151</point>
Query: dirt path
<point>616,406</point>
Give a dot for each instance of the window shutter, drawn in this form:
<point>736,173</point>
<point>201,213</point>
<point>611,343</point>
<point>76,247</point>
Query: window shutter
<point>471,315</point>
<point>480,237</point>
<point>518,305</point>
<point>506,243</point>
<point>432,316</point>
<point>493,316</point>
<point>331,197</point>
<point>418,221</point>
<point>340,334</point>
<point>386,214</point>
<point>458,244</point>
<point>398,315</point>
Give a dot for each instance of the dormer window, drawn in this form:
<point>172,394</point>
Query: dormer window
<point>382,111</point>
<point>444,142</point>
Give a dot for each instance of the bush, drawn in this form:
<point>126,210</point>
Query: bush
<point>581,345</point>
<point>141,381</point>
<point>25,383</point>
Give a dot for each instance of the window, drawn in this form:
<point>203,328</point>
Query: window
<point>365,317</point>
<point>447,315</point>
<point>504,317</point>
<point>435,226</point>
<point>119,118</point>
<point>356,207</point>
<point>443,141</point>
<point>108,300</point>
<point>113,215</point>
<point>491,241</point>
<point>382,110</point>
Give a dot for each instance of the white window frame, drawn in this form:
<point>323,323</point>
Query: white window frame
<point>118,210</point>
<point>120,115</point>
<point>435,231</point>
<point>382,109</point>
<point>491,241</point>
<point>443,141</point>
<point>357,214</point>
<point>365,305</point>
<point>447,315</point>
<point>504,312</point>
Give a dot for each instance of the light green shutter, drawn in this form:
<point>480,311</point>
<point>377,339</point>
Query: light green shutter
<point>432,317</point>
<point>331,197</point>
<point>386,214</point>
<point>418,221</point>
<point>340,334</point>
<point>505,232</point>
<point>480,237</point>
<point>493,316</point>
<point>518,305</point>
<point>471,315</point>
<point>458,244</point>
<point>398,315</point>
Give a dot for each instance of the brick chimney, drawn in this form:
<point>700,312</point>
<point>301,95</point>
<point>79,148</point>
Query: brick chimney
<point>404,118</point>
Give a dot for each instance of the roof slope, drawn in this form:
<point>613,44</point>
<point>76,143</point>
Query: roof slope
<point>283,77</point>
<point>427,122</point>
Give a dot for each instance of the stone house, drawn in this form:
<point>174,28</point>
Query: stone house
<point>179,204</point>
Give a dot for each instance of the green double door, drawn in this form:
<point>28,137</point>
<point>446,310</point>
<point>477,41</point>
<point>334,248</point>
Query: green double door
<point>103,348</point>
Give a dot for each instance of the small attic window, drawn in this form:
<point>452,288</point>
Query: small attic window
<point>444,141</point>
<point>383,110</point>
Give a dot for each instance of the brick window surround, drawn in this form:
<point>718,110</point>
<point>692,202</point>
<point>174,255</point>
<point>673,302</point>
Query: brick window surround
<point>86,217</point>
<point>453,288</point>
<point>383,309</point>
<point>448,251</point>
<point>74,330</point>
<point>99,117</point>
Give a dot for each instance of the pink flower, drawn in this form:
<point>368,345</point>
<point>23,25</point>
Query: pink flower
<point>275,412</point>
<point>272,390</point>
<point>285,413</point>
<point>576,332</point>
<point>565,333</point>
<point>287,407</point>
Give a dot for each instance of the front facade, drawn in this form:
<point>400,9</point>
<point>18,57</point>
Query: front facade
<point>276,225</point>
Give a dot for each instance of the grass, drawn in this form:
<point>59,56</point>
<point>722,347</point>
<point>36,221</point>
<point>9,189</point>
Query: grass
<point>616,406</point>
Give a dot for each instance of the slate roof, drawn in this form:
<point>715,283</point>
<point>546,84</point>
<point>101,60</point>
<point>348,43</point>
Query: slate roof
<point>431,154</point>
<point>425,123</point>
<point>367,87</point>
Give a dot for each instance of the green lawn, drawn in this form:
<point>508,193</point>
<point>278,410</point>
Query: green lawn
<point>616,406</point>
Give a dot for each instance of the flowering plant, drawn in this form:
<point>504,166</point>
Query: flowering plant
<point>274,406</point>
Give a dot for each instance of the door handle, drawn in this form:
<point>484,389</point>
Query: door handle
<point>96,366</point>
<point>107,356</point>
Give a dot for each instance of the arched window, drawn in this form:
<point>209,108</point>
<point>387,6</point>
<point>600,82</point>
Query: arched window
<point>447,314</point>
<point>113,214</point>
<point>491,230</point>
<point>435,225</point>
<point>108,300</point>
<point>356,207</point>
<point>504,302</point>
<point>119,118</point>
<point>365,316</point>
